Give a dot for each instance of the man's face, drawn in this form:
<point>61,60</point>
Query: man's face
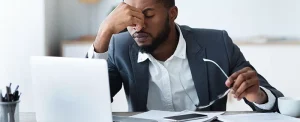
<point>157,24</point>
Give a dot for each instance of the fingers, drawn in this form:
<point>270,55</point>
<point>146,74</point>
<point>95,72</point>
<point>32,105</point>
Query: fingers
<point>236,74</point>
<point>139,24</point>
<point>230,81</point>
<point>240,81</point>
<point>135,17</point>
<point>138,15</point>
<point>242,78</point>
<point>134,9</point>
<point>243,83</point>
<point>243,87</point>
<point>241,96</point>
<point>129,7</point>
<point>246,92</point>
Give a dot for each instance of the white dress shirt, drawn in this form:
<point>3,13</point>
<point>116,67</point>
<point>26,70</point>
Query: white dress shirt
<point>171,83</point>
<point>171,87</point>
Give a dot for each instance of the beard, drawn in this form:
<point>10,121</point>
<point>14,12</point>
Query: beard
<point>157,41</point>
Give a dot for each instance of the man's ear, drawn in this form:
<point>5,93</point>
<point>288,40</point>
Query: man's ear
<point>173,13</point>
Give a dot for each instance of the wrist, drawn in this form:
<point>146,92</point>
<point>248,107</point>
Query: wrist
<point>102,40</point>
<point>105,28</point>
<point>262,97</point>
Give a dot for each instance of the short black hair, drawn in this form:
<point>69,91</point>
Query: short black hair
<point>167,3</point>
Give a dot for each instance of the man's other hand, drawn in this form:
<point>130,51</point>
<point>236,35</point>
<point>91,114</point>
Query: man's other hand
<point>245,84</point>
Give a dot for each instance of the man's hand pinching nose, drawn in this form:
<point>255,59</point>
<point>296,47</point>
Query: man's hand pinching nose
<point>123,16</point>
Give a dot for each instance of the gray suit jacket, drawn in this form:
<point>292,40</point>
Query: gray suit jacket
<point>208,79</point>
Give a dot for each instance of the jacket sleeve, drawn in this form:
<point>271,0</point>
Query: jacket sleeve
<point>237,62</point>
<point>115,79</point>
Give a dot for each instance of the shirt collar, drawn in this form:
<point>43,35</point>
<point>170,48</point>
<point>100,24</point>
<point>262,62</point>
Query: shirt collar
<point>180,51</point>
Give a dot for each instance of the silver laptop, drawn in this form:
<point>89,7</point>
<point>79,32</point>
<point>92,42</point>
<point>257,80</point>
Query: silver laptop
<point>70,90</point>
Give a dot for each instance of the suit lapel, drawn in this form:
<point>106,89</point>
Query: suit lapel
<point>195,55</point>
<point>141,79</point>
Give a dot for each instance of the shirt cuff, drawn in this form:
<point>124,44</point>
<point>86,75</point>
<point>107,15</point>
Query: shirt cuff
<point>271,100</point>
<point>94,55</point>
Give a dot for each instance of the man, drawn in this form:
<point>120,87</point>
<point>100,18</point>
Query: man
<point>161,63</point>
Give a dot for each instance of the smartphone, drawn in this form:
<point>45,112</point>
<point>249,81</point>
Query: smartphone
<point>186,117</point>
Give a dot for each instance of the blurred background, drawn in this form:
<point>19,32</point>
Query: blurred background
<point>267,31</point>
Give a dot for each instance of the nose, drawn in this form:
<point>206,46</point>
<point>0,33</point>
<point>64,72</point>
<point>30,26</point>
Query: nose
<point>143,27</point>
<point>136,28</point>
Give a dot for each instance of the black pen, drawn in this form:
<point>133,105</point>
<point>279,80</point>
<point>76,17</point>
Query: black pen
<point>1,95</point>
<point>7,99</point>
<point>10,88</point>
<point>19,96</point>
<point>17,88</point>
<point>16,96</point>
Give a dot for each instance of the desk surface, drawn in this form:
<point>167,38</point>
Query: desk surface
<point>30,117</point>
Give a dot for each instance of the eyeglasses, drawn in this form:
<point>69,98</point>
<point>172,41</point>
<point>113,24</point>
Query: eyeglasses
<point>198,107</point>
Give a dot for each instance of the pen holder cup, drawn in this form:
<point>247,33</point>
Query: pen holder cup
<point>9,111</point>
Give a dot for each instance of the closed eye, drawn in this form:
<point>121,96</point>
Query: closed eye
<point>149,12</point>
<point>149,16</point>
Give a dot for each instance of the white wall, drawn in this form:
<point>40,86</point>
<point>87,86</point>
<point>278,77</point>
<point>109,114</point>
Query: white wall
<point>279,64</point>
<point>21,35</point>
<point>243,18</point>
<point>77,19</point>
<point>69,19</point>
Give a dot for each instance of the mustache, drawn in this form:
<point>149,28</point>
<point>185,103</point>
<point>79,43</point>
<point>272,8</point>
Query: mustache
<point>140,34</point>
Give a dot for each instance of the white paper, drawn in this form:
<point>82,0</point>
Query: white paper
<point>257,117</point>
<point>159,115</point>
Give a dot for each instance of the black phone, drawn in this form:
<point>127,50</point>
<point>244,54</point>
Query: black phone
<point>186,117</point>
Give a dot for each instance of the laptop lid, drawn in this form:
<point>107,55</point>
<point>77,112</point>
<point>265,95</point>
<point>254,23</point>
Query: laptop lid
<point>71,90</point>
